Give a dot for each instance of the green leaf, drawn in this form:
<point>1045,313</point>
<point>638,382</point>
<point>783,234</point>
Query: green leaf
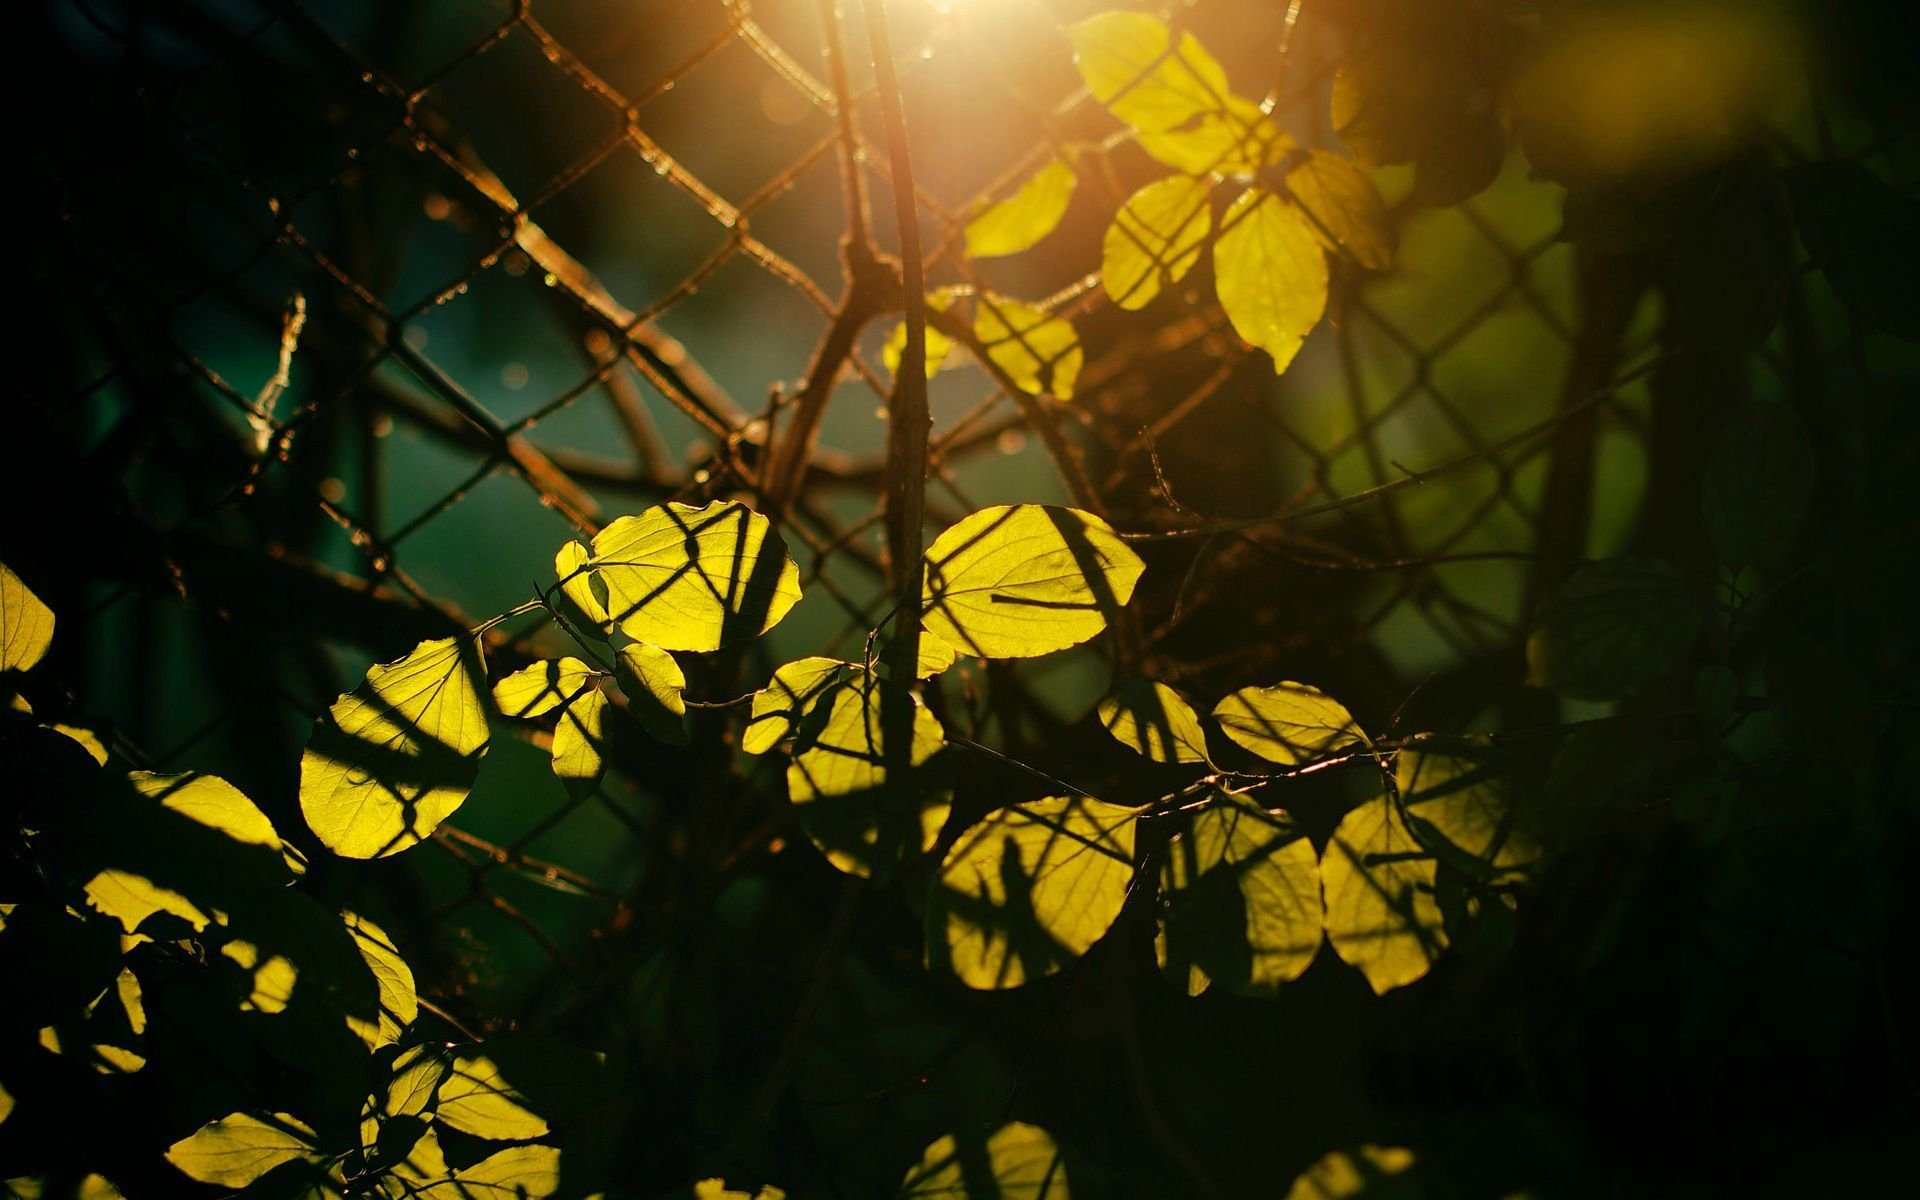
<point>1615,626</point>
<point>1015,1162</point>
<point>1030,889</point>
<point>26,625</point>
<point>1290,723</point>
<point>1155,239</point>
<point>1382,917</point>
<point>238,1149</point>
<point>655,687</point>
<point>939,345</point>
<point>1240,895</point>
<point>399,1003</point>
<point>579,742</point>
<point>1270,273</point>
<point>685,578</point>
<point>1038,351</point>
<point>778,707</point>
<point>1366,1172</point>
<point>397,755</point>
<point>1132,65</point>
<point>1022,219</point>
<point>865,777</point>
<point>541,687</point>
<point>1154,720</point>
<point>1236,141</point>
<point>1865,234</point>
<point>1758,483</point>
<point>1343,208</point>
<point>1026,580</point>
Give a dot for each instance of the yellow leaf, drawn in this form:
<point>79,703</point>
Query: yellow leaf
<point>397,755</point>
<point>1343,208</point>
<point>1155,239</point>
<point>1381,913</point>
<point>88,739</point>
<point>1025,217</point>
<point>579,742</point>
<point>131,898</point>
<point>399,1003</point>
<point>26,624</point>
<point>1367,1171</point>
<point>1290,723</point>
<point>541,687</point>
<point>1038,351</point>
<point>655,687</point>
<point>939,345</point>
<point>273,980</point>
<point>1241,899</point>
<point>864,801</point>
<point>1270,273</point>
<point>1238,140</point>
<point>516,1173</point>
<point>579,586</point>
<point>1016,1162</point>
<point>476,1098</point>
<point>717,1189</point>
<point>1032,887</point>
<point>778,707</point>
<point>238,1149</point>
<point>1154,720</point>
<point>685,578</point>
<point>1130,63</point>
<point>1463,807</point>
<point>1026,580</point>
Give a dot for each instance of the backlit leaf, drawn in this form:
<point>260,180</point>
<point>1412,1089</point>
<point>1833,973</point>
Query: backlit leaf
<point>1363,1173</point>
<point>1271,273</point>
<point>477,1098</point>
<point>1382,917</point>
<point>1014,1162</point>
<point>1155,239</point>
<point>864,777</point>
<point>399,1003</point>
<point>516,1173</point>
<point>1461,806</point>
<point>1343,208</point>
<point>1131,64</point>
<point>208,800</point>
<point>1613,627</point>
<point>541,687</point>
<point>792,690</point>
<point>1154,720</point>
<point>685,578</point>
<point>397,755</point>
<point>240,1148</point>
<point>580,742</point>
<point>717,1189</point>
<point>273,979</point>
<point>939,345</point>
<point>1237,140</point>
<point>26,624</point>
<point>580,588</point>
<point>1290,723</point>
<point>1241,900</point>
<point>1020,581</point>
<point>1038,351</point>
<point>1025,217</point>
<point>1030,889</point>
<point>655,687</point>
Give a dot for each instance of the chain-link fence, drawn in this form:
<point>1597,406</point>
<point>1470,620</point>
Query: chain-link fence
<point>371,306</point>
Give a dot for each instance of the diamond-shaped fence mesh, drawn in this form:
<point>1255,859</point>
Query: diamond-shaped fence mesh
<point>411,293</point>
